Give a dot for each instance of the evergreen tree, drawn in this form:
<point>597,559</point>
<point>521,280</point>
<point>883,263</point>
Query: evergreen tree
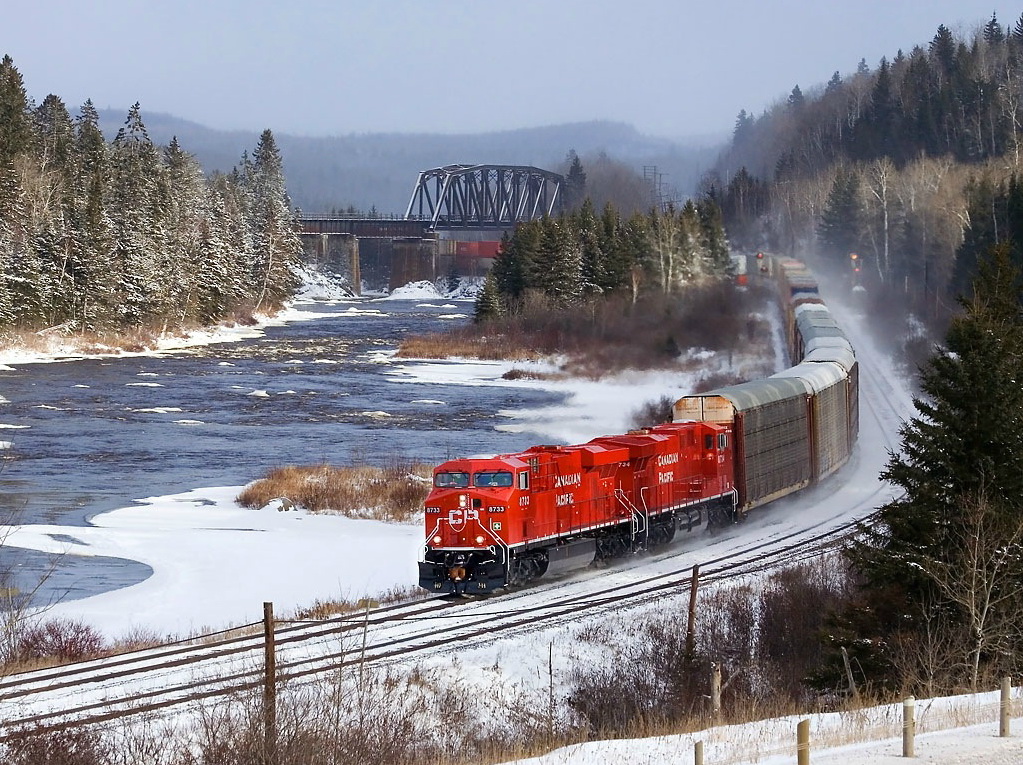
<point>56,134</point>
<point>187,252</point>
<point>963,449</point>
<point>1017,31</point>
<point>559,265</point>
<point>514,268</point>
<point>15,125</point>
<point>619,256</point>
<point>943,49</point>
<point>575,182</point>
<point>841,219</point>
<point>593,266</point>
<point>276,246</point>
<point>796,99</point>
<point>137,232</point>
<point>692,245</point>
<point>14,239</point>
<point>993,32</point>
<point>488,301</point>
<point>92,263</point>
<point>716,259</point>
<point>743,128</point>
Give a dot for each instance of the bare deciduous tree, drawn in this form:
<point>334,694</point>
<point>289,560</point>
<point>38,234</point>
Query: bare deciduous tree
<point>982,581</point>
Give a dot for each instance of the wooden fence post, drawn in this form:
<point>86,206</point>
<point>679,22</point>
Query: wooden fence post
<point>1005,707</point>
<point>803,742</point>
<point>698,753</point>
<point>269,687</point>
<point>694,584</point>
<point>715,691</point>
<point>908,726</point>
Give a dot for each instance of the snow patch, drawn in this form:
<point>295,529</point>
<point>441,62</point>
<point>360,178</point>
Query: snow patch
<point>414,291</point>
<point>322,285</point>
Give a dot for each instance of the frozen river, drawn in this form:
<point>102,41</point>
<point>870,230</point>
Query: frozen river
<point>88,435</point>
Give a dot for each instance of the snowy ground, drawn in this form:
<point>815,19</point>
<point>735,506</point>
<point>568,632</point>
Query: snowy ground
<point>833,739</point>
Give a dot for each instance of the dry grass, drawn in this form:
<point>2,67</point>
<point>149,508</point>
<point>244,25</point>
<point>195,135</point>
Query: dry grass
<point>324,609</point>
<point>394,493</point>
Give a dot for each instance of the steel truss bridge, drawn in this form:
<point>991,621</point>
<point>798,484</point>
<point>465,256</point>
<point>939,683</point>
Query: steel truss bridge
<point>454,221</point>
<point>483,196</point>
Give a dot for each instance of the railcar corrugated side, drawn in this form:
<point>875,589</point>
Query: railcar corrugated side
<point>800,425</point>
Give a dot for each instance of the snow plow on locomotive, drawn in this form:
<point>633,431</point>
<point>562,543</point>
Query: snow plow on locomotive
<point>508,519</point>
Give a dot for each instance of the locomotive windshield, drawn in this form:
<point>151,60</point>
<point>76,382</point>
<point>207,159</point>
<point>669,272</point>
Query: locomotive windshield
<point>451,480</point>
<point>497,478</point>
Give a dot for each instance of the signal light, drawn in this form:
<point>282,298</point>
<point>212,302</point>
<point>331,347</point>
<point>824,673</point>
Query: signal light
<point>760,256</point>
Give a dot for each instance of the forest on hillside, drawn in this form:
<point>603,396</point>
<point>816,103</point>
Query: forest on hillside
<point>100,236</point>
<point>912,165</point>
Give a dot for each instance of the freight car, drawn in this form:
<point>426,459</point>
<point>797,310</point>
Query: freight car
<point>800,425</point>
<point>508,519</point>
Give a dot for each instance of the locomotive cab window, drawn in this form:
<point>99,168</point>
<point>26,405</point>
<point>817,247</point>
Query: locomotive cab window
<point>523,480</point>
<point>722,441</point>
<point>451,480</point>
<point>493,479</point>
<point>708,441</point>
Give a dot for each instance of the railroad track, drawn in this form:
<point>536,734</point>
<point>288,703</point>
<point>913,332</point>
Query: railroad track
<point>170,676</point>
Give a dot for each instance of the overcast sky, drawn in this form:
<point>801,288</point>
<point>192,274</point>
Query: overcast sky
<point>672,68</point>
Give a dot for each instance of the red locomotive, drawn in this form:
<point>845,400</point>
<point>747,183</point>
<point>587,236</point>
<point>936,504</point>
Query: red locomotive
<point>511,518</point>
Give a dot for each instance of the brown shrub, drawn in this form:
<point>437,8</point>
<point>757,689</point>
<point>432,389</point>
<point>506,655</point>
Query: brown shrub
<point>392,493</point>
<point>60,639</point>
<point>75,746</point>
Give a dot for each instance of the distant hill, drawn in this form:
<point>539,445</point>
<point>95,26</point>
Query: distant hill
<point>380,170</point>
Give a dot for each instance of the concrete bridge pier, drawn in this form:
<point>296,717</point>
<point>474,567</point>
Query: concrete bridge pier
<point>336,253</point>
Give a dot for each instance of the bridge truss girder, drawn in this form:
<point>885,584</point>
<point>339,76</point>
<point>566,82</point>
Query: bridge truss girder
<point>484,196</point>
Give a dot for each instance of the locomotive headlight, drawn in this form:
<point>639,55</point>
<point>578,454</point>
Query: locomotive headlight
<point>463,500</point>
<point>479,540</point>
<point>437,540</point>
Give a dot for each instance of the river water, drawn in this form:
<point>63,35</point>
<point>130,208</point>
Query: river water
<point>91,435</point>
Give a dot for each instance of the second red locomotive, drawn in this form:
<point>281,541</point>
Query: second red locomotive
<point>508,519</point>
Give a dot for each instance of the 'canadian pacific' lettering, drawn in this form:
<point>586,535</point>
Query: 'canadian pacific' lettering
<point>567,480</point>
<point>667,459</point>
<point>563,499</point>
